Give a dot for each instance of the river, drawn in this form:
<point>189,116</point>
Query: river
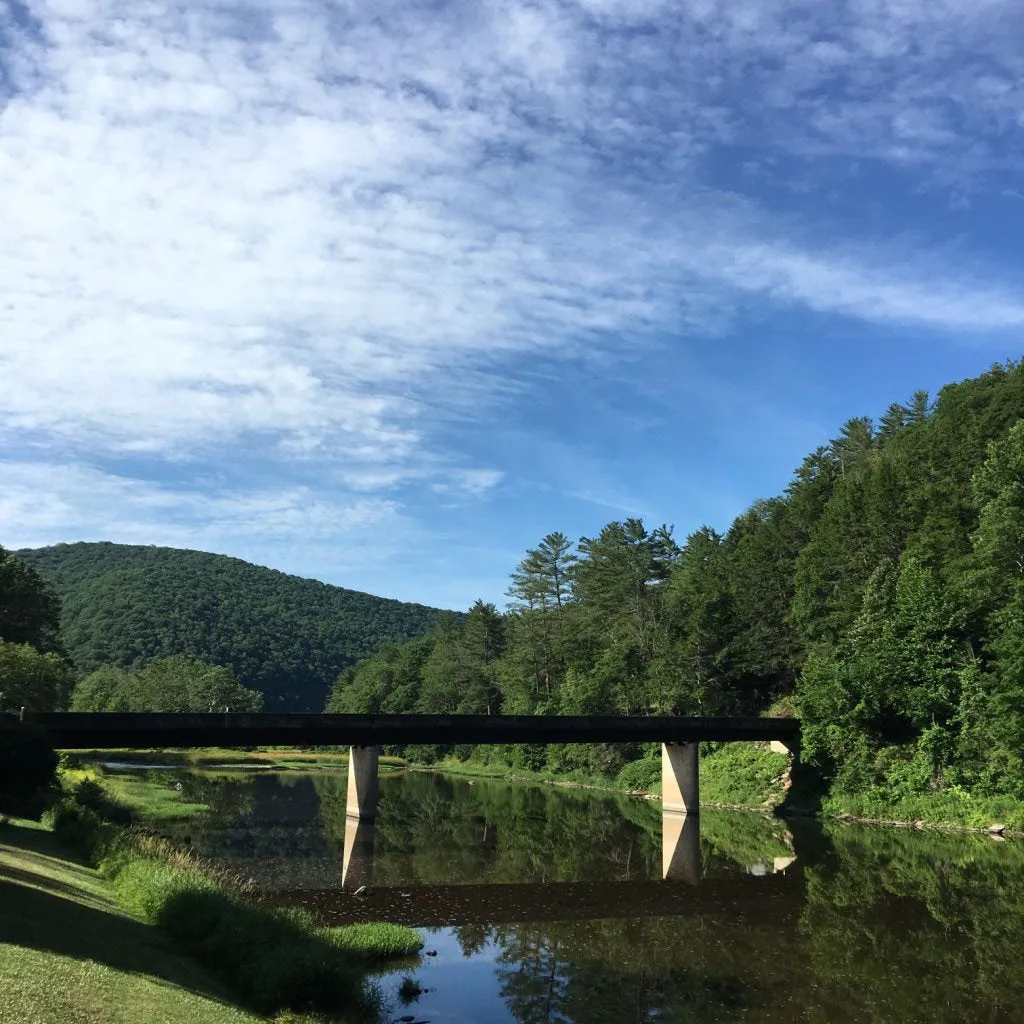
<point>544,904</point>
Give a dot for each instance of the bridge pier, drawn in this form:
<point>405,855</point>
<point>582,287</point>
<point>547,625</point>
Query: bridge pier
<point>362,782</point>
<point>679,788</point>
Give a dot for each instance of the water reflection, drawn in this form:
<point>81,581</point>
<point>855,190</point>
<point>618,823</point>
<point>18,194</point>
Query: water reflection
<point>554,906</point>
<point>680,851</point>
<point>357,855</point>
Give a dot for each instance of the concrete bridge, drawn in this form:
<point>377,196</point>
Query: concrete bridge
<point>365,734</point>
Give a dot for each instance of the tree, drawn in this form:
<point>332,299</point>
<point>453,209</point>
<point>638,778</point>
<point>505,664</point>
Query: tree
<point>172,684</point>
<point>892,422</point>
<point>698,677</point>
<point>286,637</point>
<point>543,579</point>
<point>32,680</point>
<point>29,607</point>
<point>482,644</point>
<point>879,705</point>
<point>855,442</point>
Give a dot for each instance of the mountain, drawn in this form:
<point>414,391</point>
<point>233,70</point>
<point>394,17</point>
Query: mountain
<point>286,636</point>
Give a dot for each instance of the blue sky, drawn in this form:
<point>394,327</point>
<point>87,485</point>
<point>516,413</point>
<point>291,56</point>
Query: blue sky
<point>382,293</point>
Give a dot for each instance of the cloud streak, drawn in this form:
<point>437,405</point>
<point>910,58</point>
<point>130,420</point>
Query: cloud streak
<point>317,230</point>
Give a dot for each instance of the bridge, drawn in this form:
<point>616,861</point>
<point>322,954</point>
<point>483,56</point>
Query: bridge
<point>365,734</point>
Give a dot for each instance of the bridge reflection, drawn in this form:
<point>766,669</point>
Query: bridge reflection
<point>680,851</point>
<point>738,896</point>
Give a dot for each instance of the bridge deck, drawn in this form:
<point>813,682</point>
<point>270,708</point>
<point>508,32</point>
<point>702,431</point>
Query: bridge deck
<point>89,730</point>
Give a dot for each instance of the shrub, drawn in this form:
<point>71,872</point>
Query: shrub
<point>644,775</point>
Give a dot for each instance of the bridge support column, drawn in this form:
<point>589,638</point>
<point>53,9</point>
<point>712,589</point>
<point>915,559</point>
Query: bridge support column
<point>680,847</point>
<point>362,782</point>
<point>679,790</point>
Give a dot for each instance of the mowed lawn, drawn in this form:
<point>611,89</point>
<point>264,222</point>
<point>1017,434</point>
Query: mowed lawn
<point>70,955</point>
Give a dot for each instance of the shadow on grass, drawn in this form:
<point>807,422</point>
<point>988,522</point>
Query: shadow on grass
<point>48,914</point>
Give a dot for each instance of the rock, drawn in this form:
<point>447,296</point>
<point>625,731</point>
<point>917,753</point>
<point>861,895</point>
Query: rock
<point>431,952</point>
<point>996,830</point>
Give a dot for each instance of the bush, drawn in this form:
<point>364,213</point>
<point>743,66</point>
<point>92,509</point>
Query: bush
<point>273,959</point>
<point>643,775</point>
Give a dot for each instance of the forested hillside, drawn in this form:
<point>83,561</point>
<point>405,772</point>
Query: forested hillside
<point>281,635</point>
<point>880,596</point>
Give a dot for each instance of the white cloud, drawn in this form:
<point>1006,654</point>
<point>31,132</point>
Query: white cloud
<point>41,503</point>
<point>314,230</point>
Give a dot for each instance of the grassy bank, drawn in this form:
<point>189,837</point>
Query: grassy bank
<point>952,808</point>
<point>71,954</point>
<point>270,960</point>
<point>741,775</point>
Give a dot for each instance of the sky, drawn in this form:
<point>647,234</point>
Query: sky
<point>381,293</point>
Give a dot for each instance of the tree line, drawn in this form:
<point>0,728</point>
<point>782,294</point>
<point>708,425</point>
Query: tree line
<point>880,597</point>
<point>280,635</point>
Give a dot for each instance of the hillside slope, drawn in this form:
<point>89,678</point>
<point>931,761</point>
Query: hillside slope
<point>285,636</point>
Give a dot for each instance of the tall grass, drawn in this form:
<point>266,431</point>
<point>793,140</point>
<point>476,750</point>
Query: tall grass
<point>271,959</point>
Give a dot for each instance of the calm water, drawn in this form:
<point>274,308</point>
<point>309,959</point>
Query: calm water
<point>550,905</point>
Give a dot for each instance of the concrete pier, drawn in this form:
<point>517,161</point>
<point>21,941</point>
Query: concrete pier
<point>679,788</point>
<point>362,782</point>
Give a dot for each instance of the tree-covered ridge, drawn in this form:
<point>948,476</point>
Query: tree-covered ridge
<point>283,636</point>
<point>881,596</point>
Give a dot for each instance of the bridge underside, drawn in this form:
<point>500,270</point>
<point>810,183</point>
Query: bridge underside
<point>89,730</point>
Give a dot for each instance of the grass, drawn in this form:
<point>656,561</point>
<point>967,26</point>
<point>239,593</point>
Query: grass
<point>149,799</point>
<point>270,960</point>
<point>951,808</point>
<point>735,775</point>
<point>70,955</point>
<point>742,775</point>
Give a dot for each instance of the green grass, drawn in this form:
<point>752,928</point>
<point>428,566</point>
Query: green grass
<point>70,955</point>
<point>953,808</point>
<point>737,775</point>
<point>271,960</point>
<point>742,775</point>
<point>151,799</point>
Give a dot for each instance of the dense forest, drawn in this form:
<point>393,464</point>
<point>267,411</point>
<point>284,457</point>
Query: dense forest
<point>880,596</point>
<point>282,636</point>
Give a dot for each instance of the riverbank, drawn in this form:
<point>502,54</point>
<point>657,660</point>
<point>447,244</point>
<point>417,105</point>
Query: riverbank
<point>750,778</point>
<point>70,953</point>
<point>264,961</point>
<point>734,777</point>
